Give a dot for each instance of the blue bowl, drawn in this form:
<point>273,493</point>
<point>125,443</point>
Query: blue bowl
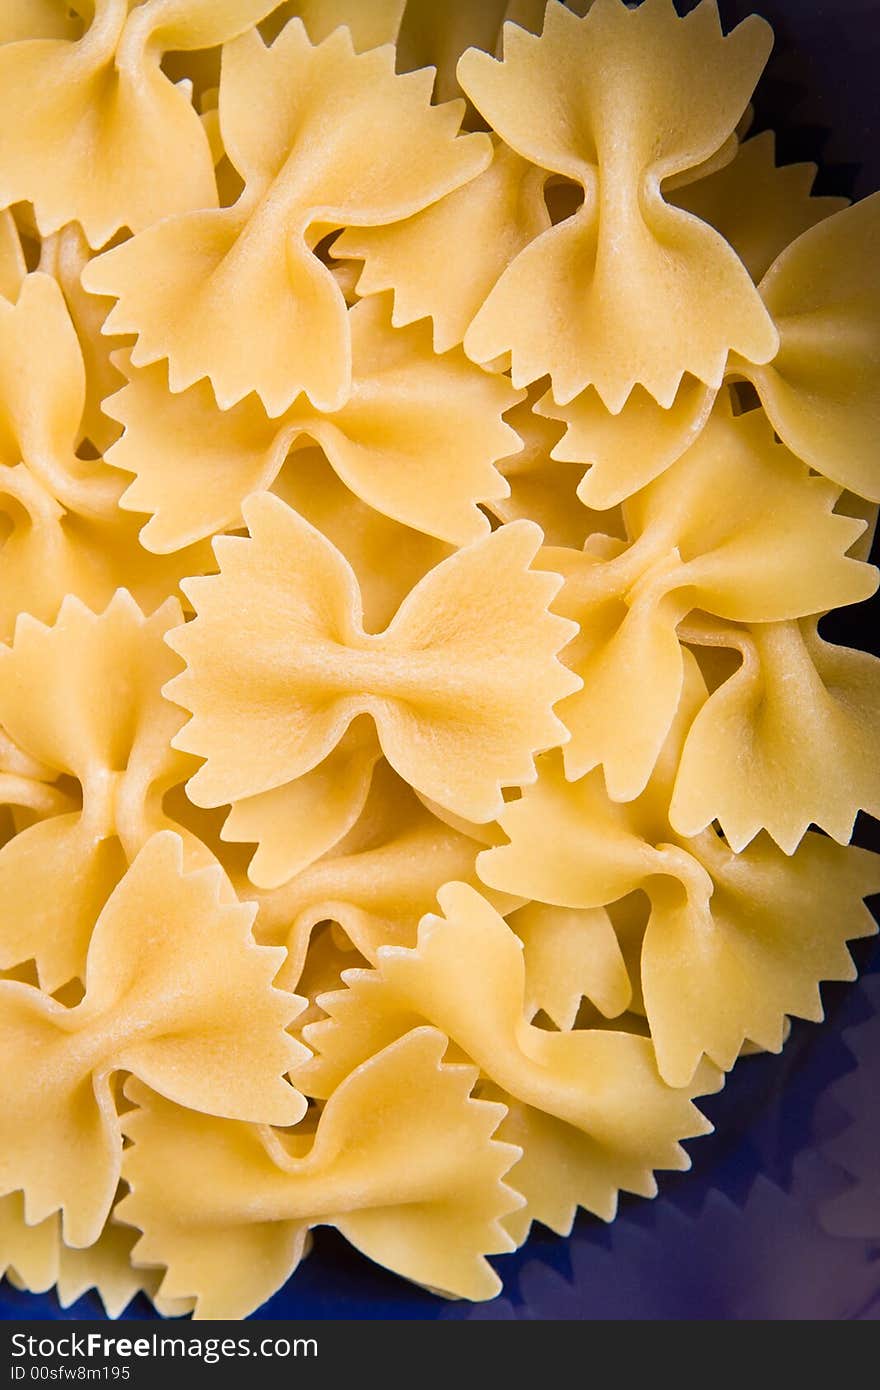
<point>780,1215</point>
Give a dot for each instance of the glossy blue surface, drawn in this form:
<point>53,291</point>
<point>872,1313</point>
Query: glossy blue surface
<point>780,1215</point>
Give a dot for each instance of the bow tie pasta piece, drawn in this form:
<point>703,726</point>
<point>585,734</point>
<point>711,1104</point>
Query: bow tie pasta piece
<point>496,215</point>
<point>330,953</point>
<point>28,1254</point>
<point>543,489</point>
<point>177,992</point>
<point>91,129</point>
<point>83,698</point>
<point>388,558</point>
<point>396,443</point>
<point>461,685</point>
<point>822,391</point>
<point>571,955</point>
<point>809,714</point>
<point>604,1118</point>
<point>376,883</point>
<point>107,1268</point>
<point>735,942</point>
<point>756,206</point>
<point>293,825</point>
<point>323,138</point>
<point>39,1258</point>
<point>627,451</point>
<point>52,552</point>
<point>736,527</point>
<point>630,289</point>
<point>403,1162</point>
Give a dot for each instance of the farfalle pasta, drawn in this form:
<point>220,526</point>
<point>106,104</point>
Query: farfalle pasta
<point>278,107</point>
<point>393,443</point>
<point>430,438</point>
<point>734,943</point>
<point>61,1141</point>
<point>461,697</point>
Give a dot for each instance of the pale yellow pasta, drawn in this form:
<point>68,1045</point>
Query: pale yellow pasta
<point>251,268</point>
<point>159,928</point>
<point>417,1186</point>
<point>571,954</point>
<point>757,206</point>
<point>735,942</point>
<point>705,535</point>
<point>626,451</point>
<point>808,713</point>
<point>619,101</point>
<point>393,443</point>
<point>542,489</point>
<point>593,1099</point>
<point>64,533</point>
<point>822,389</point>
<point>65,256</point>
<point>91,129</point>
<point>377,881</point>
<point>106,1266</point>
<point>499,213</point>
<point>83,698</point>
<point>462,698</point>
<point>507,420</point>
<point>28,1253</point>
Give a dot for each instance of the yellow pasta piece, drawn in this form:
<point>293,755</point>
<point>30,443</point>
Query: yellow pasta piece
<point>626,451</point>
<point>570,955</point>
<point>758,207</point>
<point>461,684</point>
<point>736,527</point>
<point>376,882</point>
<point>790,740</point>
<point>597,1099</point>
<point>370,22</point>
<point>307,127</point>
<point>417,1184</point>
<point>388,558</point>
<point>45,1260</point>
<point>619,101</point>
<point>38,19</point>
<point>172,979</point>
<point>293,825</point>
<point>439,34</point>
<point>91,129</point>
<point>735,942</point>
<point>543,489</point>
<point>822,389</point>
<point>496,215</point>
<point>83,699</point>
<point>394,442</point>
<point>42,391</point>
<point>507,419</point>
<point>28,1253</point>
<point>65,532</point>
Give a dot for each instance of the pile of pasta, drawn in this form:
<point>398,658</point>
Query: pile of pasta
<point>428,446</point>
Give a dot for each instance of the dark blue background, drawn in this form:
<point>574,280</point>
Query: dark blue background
<point>780,1215</point>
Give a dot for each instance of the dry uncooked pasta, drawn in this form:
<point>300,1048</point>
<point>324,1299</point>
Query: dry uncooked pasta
<point>430,437</point>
